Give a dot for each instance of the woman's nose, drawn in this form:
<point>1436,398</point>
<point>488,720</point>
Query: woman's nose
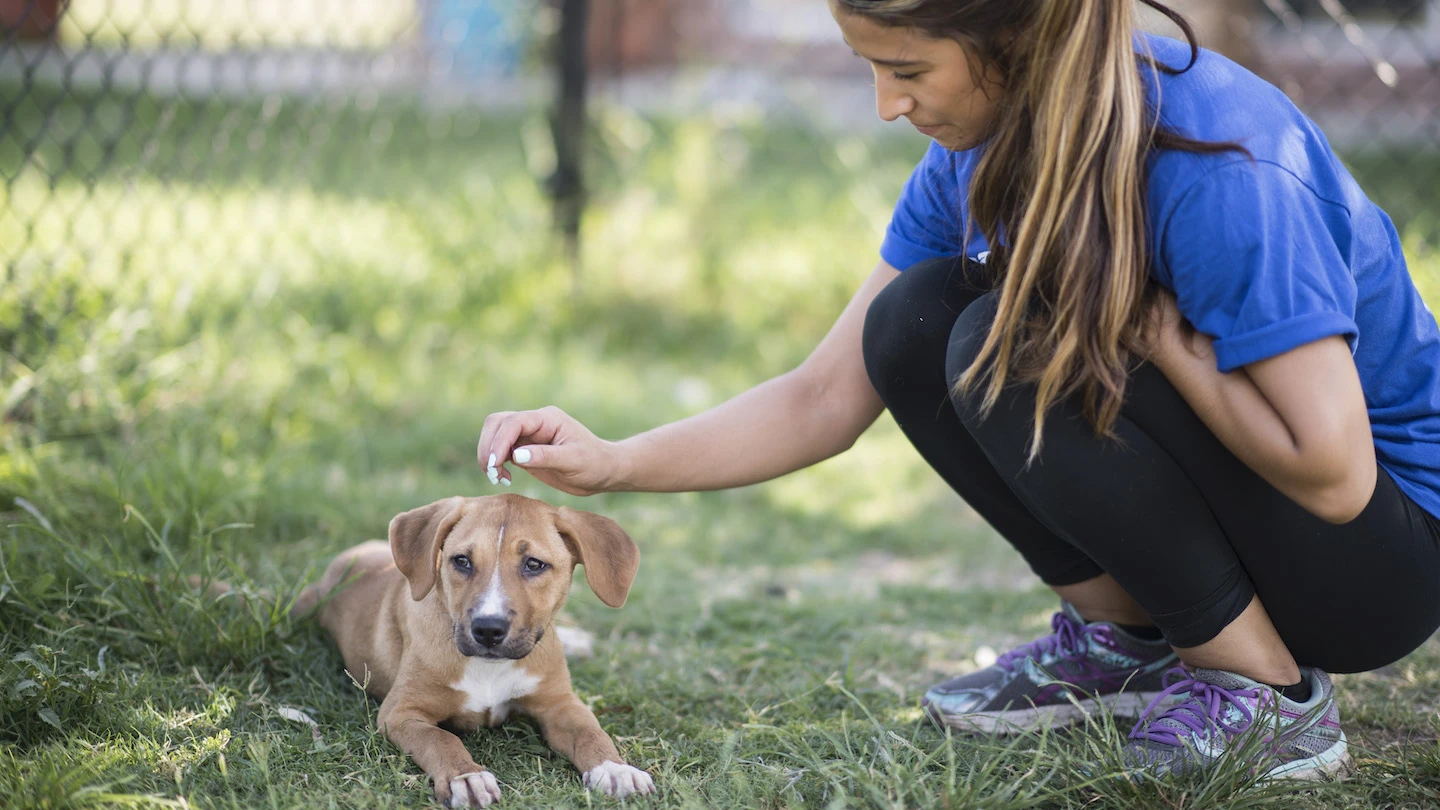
<point>891,101</point>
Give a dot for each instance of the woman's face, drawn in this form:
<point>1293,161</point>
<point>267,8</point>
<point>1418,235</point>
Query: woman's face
<point>927,81</point>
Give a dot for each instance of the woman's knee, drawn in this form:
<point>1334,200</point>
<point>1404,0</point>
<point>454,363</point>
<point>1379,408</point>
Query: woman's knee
<point>967,337</point>
<point>907,326</point>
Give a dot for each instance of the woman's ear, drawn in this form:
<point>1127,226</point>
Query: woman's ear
<point>610,557</point>
<point>416,538</point>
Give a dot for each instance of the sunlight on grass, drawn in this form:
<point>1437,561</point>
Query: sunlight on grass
<point>877,482</point>
<point>1425,270</point>
<point>227,241</point>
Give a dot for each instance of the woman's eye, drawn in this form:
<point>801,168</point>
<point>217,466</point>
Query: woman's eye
<point>904,77</point>
<point>462,562</point>
<point>534,566</point>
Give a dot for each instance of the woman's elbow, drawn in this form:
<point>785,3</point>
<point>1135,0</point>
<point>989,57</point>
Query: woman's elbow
<point>1338,469</point>
<point>1344,500</point>
<point>835,413</point>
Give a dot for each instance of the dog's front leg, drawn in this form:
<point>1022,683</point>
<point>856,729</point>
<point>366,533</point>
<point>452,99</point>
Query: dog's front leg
<point>571,729</point>
<point>458,780</point>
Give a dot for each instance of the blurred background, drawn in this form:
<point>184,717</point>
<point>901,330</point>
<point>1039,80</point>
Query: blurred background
<point>253,142</point>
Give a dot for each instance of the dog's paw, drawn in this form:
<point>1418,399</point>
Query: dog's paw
<point>478,789</point>
<point>618,779</point>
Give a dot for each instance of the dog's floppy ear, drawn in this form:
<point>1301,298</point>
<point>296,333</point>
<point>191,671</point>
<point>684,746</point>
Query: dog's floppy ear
<point>415,540</point>
<point>610,557</point>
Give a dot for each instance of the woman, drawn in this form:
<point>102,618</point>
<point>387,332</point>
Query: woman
<point>1188,377</point>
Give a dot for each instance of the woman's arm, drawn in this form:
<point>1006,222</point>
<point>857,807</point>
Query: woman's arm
<point>1298,419</point>
<point>792,421</point>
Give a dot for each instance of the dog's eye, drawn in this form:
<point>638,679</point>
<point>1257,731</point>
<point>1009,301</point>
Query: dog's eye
<point>462,562</point>
<point>534,566</point>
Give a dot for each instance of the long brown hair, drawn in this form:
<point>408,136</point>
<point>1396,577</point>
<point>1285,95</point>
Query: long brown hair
<point>1063,170</point>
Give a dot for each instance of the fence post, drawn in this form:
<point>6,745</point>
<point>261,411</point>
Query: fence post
<point>568,125</point>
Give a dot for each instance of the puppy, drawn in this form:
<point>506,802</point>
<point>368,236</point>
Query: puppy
<point>452,623</point>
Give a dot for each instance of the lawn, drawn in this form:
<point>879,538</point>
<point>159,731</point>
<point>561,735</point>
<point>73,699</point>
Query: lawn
<point>235,339</point>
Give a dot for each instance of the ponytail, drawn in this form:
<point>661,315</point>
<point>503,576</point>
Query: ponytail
<point>1065,168</point>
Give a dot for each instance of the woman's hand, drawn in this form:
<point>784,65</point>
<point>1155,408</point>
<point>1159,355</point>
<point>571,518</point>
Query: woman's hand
<point>1169,333</point>
<point>1298,419</point>
<point>552,446</point>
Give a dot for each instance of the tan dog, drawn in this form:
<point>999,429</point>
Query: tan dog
<point>452,622</point>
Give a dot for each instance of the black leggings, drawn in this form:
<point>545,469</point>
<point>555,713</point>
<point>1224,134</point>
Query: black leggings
<point>1181,524</point>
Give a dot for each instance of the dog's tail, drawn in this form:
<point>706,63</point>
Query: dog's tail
<point>303,605</point>
<point>306,602</point>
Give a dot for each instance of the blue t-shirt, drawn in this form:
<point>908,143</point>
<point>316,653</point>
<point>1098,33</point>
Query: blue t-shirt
<point>1264,255</point>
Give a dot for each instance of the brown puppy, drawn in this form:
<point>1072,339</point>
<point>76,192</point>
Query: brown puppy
<point>452,623</point>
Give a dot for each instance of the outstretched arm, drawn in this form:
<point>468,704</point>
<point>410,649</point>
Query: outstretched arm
<point>792,421</point>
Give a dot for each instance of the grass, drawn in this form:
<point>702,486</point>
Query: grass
<point>245,336</point>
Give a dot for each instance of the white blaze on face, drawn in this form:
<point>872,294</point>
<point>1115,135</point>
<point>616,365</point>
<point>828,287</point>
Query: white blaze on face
<point>493,603</point>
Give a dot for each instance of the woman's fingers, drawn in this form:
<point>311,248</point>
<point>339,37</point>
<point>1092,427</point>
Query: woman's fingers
<point>487,435</point>
<point>543,440</point>
<point>557,458</point>
<point>507,431</point>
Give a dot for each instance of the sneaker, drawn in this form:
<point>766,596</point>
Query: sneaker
<point>1055,680</point>
<point>1208,710</point>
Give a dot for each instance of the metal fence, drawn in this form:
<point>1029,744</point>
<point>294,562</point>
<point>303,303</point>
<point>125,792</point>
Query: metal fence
<point>1369,73</point>
<point>163,133</point>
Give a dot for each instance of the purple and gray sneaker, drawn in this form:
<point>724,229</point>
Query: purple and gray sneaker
<point>1055,680</point>
<point>1205,712</point>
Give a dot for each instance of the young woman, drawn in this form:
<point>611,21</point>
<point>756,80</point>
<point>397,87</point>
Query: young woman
<point>1137,314</point>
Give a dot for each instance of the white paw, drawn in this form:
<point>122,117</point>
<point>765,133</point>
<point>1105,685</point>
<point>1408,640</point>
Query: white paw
<point>618,779</point>
<point>476,789</point>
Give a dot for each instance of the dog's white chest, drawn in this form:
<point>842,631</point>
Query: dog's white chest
<point>491,685</point>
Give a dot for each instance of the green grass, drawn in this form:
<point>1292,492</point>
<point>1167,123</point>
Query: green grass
<point>246,336</point>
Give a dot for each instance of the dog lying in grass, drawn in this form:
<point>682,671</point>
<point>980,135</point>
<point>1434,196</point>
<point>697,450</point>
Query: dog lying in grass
<point>451,623</point>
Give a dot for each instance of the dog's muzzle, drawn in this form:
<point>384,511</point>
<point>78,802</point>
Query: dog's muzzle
<point>495,637</point>
<point>489,631</point>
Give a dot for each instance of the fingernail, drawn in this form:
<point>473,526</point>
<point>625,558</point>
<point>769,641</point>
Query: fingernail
<point>505,481</point>
<point>522,456</point>
<point>491,464</point>
<point>494,475</point>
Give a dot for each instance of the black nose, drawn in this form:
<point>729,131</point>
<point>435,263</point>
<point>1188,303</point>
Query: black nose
<point>489,630</point>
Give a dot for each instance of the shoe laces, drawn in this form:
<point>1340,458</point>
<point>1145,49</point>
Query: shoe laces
<point>1203,710</point>
<point>1069,638</point>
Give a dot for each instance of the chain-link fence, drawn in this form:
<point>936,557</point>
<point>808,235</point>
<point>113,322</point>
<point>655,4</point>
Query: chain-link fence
<point>145,141</point>
<point>1369,73</point>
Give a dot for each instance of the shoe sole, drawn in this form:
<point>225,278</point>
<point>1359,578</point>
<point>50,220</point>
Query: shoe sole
<point>1332,763</point>
<point>1020,721</point>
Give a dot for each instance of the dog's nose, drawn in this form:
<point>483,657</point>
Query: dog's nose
<point>489,630</point>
